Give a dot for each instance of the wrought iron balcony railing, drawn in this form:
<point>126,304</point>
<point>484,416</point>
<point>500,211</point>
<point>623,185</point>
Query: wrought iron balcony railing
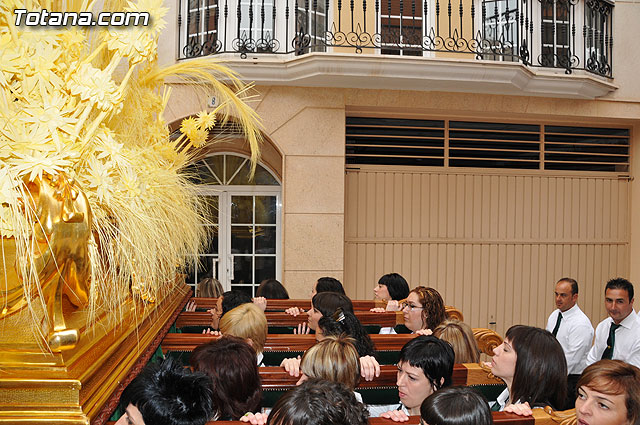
<point>566,34</point>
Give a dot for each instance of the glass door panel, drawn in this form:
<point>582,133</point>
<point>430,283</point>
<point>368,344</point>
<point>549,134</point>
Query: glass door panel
<point>253,242</point>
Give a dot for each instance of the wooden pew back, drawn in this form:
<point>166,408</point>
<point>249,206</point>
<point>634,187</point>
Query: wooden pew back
<point>358,305</point>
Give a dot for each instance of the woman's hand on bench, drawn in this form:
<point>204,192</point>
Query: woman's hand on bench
<point>260,302</point>
<point>424,332</point>
<point>294,311</point>
<point>302,329</point>
<point>191,306</point>
<point>255,418</point>
<point>208,331</point>
<point>369,368</point>
<point>292,366</point>
<point>377,310</point>
<point>395,415</point>
<point>522,409</point>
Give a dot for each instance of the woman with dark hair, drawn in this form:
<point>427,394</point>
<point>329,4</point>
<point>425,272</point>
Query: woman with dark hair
<point>231,364</point>
<point>456,406</point>
<point>532,364</point>
<point>272,289</point>
<point>609,394</point>
<point>335,308</point>
<point>423,309</point>
<point>167,394</point>
<point>327,284</point>
<point>391,286</point>
<point>324,284</point>
<point>425,366</point>
<point>346,323</point>
<point>318,402</point>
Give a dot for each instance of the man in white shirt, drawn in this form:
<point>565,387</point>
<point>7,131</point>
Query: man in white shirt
<point>573,330</point>
<point>617,336</point>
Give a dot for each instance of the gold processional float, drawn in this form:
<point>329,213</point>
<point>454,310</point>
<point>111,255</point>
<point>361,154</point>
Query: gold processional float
<point>97,216</point>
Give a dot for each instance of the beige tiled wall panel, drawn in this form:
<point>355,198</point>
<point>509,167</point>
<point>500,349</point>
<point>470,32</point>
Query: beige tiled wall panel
<point>493,245</point>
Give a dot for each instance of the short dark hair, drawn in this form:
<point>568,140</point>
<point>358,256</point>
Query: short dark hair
<point>396,285</point>
<point>319,402</point>
<point>620,283</point>
<point>573,282</point>
<point>329,284</point>
<point>540,377</point>
<point>328,303</point>
<point>456,406</point>
<point>272,289</point>
<point>168,394</point>
<point>232,299</point>
<point>434,356</point>
<point>231,364</point>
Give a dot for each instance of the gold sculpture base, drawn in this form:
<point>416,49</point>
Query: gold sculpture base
<point>71,387</point>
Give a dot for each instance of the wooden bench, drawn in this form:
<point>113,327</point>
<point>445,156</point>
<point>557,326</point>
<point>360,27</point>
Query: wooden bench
<point>276,318</point>
<point>358,305</point>
<point>540,417</point>
<point>487,340</point>
<point>280,346</point>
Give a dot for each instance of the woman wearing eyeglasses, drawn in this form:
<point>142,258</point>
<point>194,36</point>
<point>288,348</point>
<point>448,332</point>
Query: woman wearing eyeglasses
<point>423,310</point>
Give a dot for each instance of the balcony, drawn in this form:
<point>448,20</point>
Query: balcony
<point>545,37</point>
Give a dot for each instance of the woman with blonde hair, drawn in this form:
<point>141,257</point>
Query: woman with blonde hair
<point>209,287</point>
<point>248,322</point>
<point>335,358</point>
<point>461,338</point>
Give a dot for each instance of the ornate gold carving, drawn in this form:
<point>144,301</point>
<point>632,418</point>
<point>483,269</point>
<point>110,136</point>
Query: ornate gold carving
<point>562,417</point>
<point>61,234</point>
<point>454,313</point>
<point>487,340</point>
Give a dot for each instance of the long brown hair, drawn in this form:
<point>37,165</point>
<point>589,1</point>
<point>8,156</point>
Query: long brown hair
<point>540,377</point>
<point>433,312</point>
<point>231,364</point>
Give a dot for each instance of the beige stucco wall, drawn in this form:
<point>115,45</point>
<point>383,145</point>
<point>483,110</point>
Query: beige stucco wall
<point>307,125</point>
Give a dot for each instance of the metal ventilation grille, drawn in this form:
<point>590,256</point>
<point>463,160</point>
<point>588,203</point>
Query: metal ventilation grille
<point>586,148</point>
<point>467,144</point>
<point>494,145</point>
<point>394,141</point>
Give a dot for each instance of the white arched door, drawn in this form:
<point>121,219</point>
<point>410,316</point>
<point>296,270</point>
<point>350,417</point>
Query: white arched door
<point>245,215</point>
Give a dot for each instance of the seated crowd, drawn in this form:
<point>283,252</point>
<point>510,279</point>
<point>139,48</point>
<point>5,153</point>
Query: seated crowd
<point>539,367</point>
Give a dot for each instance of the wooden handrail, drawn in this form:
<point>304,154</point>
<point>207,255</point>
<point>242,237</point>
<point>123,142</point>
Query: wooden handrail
<point>275,318</point>
<point>498,418</point>
<point>487,340</point>
<point>463,374</point>
<point>358,305</point>
<point>279,342</point>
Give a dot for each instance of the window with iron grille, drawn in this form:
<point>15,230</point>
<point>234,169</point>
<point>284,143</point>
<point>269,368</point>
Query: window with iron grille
<point>202,30</point>
<point>470,144</point>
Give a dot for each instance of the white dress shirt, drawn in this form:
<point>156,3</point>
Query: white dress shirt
<point>575,335</point>
<point>627,344</point>
<point>502,400</point>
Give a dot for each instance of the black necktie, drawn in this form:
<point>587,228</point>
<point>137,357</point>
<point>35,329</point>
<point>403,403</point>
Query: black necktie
<point>611,341</point>
<point>555,329</point>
